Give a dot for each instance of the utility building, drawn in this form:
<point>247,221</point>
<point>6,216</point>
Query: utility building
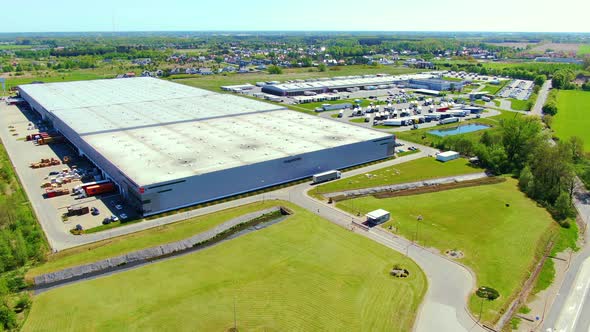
<point>167,145</point>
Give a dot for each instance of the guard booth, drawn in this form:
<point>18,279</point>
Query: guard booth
<point>377,217</point>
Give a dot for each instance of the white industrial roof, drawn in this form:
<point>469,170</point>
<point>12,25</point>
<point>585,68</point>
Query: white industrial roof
<point>377,214</point>
<point>165,131</point>
<point>345,82</point>
<point>448,154</point>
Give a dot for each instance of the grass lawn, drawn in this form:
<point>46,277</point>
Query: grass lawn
<point>415,170</point>
<point>519,105</point>
<point>501,244</point>
<point>140,240</point>
<point>573,116</point>
<point>303,274</point>
<point>494,88</point>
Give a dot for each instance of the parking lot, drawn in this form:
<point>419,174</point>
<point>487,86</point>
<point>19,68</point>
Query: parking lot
<point>15,126</point>
<point>517,89</point>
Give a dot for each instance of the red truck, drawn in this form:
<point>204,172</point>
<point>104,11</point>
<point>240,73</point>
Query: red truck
<point>98,189</point>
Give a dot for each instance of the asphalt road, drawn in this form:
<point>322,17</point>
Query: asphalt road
<point>542,96</point>
<point>570,311</point>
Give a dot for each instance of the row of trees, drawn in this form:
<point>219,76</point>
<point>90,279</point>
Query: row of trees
<point>21,244</point>
<point>519,147</point>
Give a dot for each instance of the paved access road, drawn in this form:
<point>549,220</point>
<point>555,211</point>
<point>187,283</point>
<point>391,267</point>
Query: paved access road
<point>570,311</point>
<point>542,96</point>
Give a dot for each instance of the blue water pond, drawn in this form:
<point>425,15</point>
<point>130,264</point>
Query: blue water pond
<point>458,130</point>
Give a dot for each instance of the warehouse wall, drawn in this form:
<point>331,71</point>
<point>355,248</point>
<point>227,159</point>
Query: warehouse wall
<point>215,185</point>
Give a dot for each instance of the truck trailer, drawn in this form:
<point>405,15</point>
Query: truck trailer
<point>326,176</point>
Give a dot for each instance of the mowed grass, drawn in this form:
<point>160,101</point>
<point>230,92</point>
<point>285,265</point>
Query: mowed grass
<point>303,274</point>
<point>573,116</point>
<point>415,170</point>
<point>519,105</point>
<point>141,240</point>
<point>501,244</point>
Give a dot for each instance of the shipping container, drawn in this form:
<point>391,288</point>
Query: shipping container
<point>99,189</point>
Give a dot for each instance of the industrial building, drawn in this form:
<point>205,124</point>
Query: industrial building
<point>341,84</point>
<point>435,84</point>
<point>167,145</point>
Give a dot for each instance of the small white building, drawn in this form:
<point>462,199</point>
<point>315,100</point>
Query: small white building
<point>378,216</point>
<point>447,155</point>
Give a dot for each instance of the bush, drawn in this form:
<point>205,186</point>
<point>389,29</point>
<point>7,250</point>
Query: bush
<point>7,318</point>
<point>274,69</point>
<point>550,108</point>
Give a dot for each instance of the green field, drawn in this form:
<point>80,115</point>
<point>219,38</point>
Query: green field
<point>501,244</point>
<point>584,49</point>
<point>141,240</point>
<point>415,170</point>
<point>303,274</point>
<point>519,105</point>
<point>573,116</point>
<point>493,88</point>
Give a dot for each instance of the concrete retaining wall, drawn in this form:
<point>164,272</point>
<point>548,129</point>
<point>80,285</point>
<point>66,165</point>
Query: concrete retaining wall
<point>407,186</point>
<point>143,255</point>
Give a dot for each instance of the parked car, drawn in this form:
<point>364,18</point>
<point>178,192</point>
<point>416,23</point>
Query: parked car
<point>106,221</point>
<point>94,211</point>
<point>123,216</point>
<point>119,207</point>
<point>53,173</point>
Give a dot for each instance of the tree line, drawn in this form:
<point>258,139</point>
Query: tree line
<point>22,244</point>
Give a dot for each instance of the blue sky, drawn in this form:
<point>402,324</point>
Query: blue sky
<point>383,15</point>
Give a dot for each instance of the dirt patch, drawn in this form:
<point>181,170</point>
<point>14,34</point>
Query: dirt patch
<point>440,187</point>
<point>399,272</point>
<point>454,253</point>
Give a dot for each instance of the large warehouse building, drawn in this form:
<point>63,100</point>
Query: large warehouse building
<point>167,145</point>
<point>367,82</point>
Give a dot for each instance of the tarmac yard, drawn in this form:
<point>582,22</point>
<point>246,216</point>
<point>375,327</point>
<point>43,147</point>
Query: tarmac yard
<point>14,127</point>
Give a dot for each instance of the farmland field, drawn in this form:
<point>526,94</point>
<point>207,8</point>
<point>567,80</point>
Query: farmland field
<point>584,49</point>
<point>501,243</point>
<point>303,274</point>
<point>573,116</point>
<point>415,170</point>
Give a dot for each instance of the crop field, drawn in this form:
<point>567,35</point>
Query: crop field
<point>558,47</point>
<point>415,170</point>
<point>500,231</point>
<point>584,49</point>
<point>303,274</point>
<point>573,116</point>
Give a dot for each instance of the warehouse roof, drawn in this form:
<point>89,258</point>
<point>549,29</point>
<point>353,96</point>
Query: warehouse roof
<point>347,82</point>
<point>165,131</point>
